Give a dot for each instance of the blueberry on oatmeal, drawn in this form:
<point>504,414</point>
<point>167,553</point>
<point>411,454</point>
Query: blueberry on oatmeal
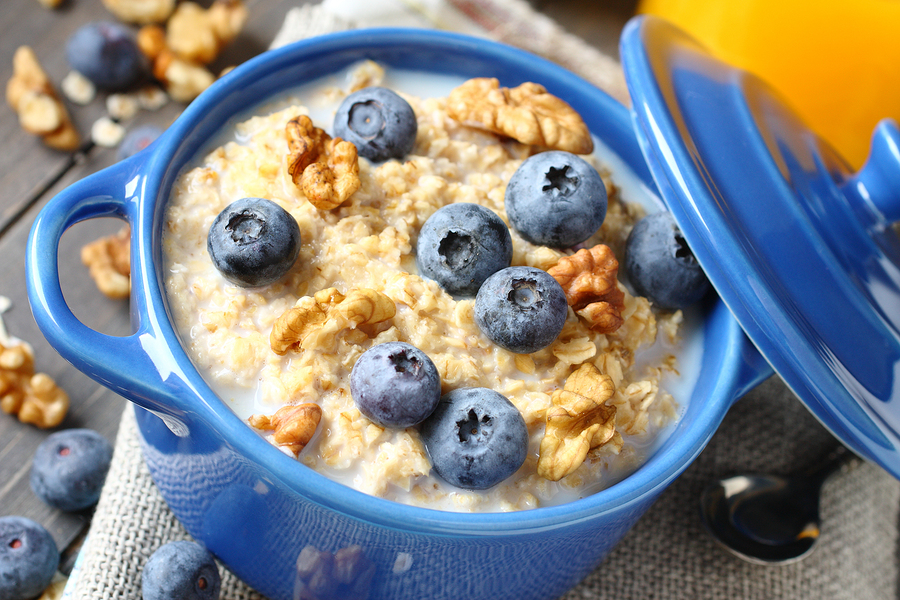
<point>556,199</point>
<point>28,558</point>
<point>378,122</point>
<point>660,266</point>
<point>395,384</point>
<point>107,54</point>
<point>253,242</point>
<point>475,438</point>
<point>461,245</point>
<point>181,569</point>
<point>70,467</point>
<point>522,309</point>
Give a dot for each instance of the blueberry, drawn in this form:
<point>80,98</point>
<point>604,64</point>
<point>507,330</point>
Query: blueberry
<point>182,569</point>
<point>461,245</point>
<point>556,199</point>
<point>69,468</point>
<point>660,266</point>
<point>28,558</point>
<point>137,139</point>
<point>106,53</point>
<point>253,242</point>
<point>522,309</point>
<point>395,384</point>
<point>475,438</point>
<point>380,123</point>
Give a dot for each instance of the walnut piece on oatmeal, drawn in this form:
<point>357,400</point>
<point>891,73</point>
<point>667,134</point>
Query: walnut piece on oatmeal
<point>294,426</point>
<point>589,279</point>
<point>109,262</point>
<point>326,170</point>
<point>527,113</point>
<point>33,397</point>
<point>578,421</point>
<point>326,313</point>
<point>30,93</point>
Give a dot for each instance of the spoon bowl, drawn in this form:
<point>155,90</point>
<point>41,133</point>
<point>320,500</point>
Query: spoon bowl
<point>769,519</point>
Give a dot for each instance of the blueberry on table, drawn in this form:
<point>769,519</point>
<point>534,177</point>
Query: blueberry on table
<point>69,468</point>
<point>475,438</point>
<point>522,309</point>
<point>253,242</point>
<point>556,199</point>
<point>395,384</point>
<point>182,569</point>
<point>106,53</point>
<point>28,558</point>
<point>461,245</point>
<point>660,266</point>
<point>378,122</point>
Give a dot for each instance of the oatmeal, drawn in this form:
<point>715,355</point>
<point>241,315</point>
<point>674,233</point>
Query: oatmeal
<point>293,343</point>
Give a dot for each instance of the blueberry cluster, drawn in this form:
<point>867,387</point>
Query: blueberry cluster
<point>253,242</point>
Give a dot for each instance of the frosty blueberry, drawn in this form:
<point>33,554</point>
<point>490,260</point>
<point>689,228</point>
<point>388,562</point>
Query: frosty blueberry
<point>183,570</point>
<point>461,245</point>
<point>660,266</point>
<point>28,558</point>
<point>395,384</point>
<point>106,53</point>
<point>475,438</point>
<point>69,468</point>
<point>378,122</point>
<point>253,242</point>
<point>556,199</point>
<point>522,309</point>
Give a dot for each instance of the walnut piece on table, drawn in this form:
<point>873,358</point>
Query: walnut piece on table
<point>318,317</point>
<point>183,80</point>
<point>578,421</point>
<point>33,397</point>
<point>140,12</point>
<point>197,35</point>
<point>590,280</point>
<point>326,170</point>
<point>109,262</point>
<point>527,113</point>
<point>30,93</point>
<point>294,426</point>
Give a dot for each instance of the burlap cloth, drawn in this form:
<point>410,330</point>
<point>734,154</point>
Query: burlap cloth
<point>667,555</point>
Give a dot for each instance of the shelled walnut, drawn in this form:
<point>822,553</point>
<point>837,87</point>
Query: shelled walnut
<point>197,34</point>
<point>140,12</point>
<point>589,279</point>
<point>109,262</point>
<point>326,170</point>
<point>294,426</point>
<point>31,94</point>
<point>182,79</point>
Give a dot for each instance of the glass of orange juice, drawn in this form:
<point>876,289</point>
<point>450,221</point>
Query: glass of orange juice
<point>836,62</point>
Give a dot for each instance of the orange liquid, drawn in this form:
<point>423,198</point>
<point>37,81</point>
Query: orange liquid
<point>836,62</point>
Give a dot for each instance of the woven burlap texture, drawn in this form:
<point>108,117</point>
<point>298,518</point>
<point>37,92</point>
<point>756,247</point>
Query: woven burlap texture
<point>667,555</point>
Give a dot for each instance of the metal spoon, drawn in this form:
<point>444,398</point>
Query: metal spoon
<point>768,519</point>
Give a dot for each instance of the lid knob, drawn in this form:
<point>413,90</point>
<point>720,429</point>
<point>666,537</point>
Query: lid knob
<point>879,180</point>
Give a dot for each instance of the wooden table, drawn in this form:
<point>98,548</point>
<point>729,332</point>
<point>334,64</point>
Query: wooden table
<point>31,174</point>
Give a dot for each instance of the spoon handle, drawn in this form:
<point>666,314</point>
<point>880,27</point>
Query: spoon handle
<point>834,460</point>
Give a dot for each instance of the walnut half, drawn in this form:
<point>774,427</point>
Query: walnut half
<point>527,113</point>
<point>294,426</point>
<point>590,280</point>
<point>326,170</point>
<point>578,421</point>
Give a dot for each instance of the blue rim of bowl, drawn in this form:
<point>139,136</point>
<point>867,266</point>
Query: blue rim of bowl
<point>649,479</point>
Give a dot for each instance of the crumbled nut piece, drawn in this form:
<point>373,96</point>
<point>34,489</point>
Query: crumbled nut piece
<point>198,35</point>
<point>328,311</point>
<point>589,279</point>
<point>527,113</point>
<point>294,426</point>
<point>578,421</point>
<point>122,107</point>
<point>56,588</point>
<point>109,262</point>
<point>325,169</point>
<point>78,88</point>
<point>140,12</point>
<point>106,132</point>
<point>33,397</point>
<point>151,98</point>
<point>183,80</point>
<point>30,93</point>
<point>151,41</point>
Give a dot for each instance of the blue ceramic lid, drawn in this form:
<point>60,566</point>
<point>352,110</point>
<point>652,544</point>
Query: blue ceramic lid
<point>799,247</point>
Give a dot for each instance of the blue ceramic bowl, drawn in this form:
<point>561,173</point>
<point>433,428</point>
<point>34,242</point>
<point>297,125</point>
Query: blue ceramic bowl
<point>258,509</point>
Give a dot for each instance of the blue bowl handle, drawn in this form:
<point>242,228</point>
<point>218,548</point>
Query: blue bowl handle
<point>138,367</point>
